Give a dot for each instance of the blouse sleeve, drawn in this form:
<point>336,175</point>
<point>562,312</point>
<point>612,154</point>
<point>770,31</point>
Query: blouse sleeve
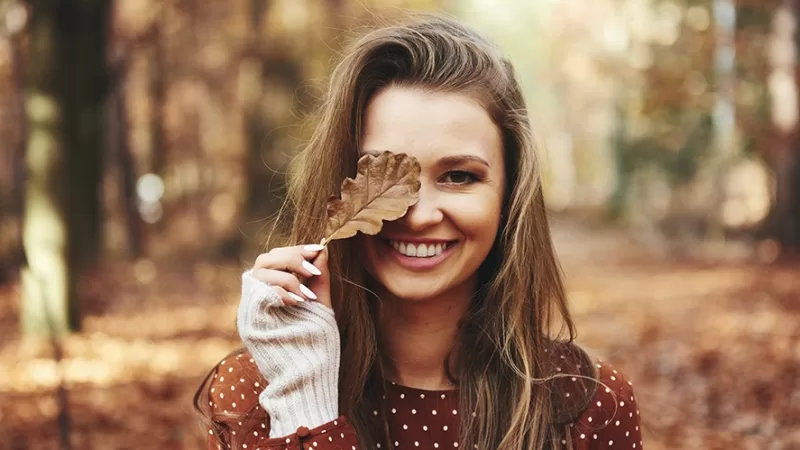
<point>335,435</point>
<point>237,421</point>
<point>612,419</point>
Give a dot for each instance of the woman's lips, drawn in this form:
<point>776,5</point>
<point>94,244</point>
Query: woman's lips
<point>417,263</point>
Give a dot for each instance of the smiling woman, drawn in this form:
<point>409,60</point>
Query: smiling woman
<point>450,328</point>
<point>462,186</point>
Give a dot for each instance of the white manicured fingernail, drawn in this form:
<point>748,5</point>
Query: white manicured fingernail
<point>295,297</point>
<point>311,268</point>
<point>307,292</point>
<point>314,248</point>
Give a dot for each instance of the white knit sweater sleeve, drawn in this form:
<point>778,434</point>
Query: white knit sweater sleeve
<point>296,349</point>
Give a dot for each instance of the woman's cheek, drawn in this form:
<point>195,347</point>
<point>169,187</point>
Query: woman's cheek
<point>478,217</point>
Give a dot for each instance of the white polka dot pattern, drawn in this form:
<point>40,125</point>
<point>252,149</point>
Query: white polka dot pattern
<point>612,419</point>
<point>418,419</point>
<point>240,422</point>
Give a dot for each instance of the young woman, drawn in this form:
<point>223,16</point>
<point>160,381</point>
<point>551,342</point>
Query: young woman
<point>450,328</point>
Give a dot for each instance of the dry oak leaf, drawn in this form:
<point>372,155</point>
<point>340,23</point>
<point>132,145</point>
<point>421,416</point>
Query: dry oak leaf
<point>383,189</point>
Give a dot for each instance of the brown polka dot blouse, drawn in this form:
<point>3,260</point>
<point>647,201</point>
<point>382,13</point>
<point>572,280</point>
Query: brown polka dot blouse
<point>418,419</point>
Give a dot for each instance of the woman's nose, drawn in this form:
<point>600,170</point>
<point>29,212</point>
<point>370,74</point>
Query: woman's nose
<point>425,213</point>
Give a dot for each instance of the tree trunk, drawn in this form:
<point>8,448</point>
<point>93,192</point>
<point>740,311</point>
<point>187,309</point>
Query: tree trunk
<point>784,157</point>
<point>788,175</point>
<point>787,200</point>
<point>83,61</point>
<point>121,158</point>
<point>47,280</point>
<point>158,94</point>
<point>14,257</point>
<point>277,66</point>
<point>65,88</point>
<point>726,145</point>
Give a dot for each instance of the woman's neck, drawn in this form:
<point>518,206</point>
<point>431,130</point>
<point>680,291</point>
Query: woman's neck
<point>417,336</point>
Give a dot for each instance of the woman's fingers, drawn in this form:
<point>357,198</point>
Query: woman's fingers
<point>282,266</point>
<point>290,259</point>
<point>321,284</point>
<point>310,268</point>
<point>294,290</point>
<point>288,298</point>
<point>313,247</point>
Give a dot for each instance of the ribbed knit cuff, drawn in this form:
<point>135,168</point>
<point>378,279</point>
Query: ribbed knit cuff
<point>297,350</point>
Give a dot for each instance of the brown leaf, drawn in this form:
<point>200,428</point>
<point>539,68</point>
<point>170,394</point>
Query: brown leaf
<point>384,188</point>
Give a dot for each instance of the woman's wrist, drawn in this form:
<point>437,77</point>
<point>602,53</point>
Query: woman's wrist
<point>297,350</point>
<point>303,401</point>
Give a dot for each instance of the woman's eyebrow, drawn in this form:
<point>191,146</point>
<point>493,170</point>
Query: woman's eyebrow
<point>452,160</point>
<point>460,159</point>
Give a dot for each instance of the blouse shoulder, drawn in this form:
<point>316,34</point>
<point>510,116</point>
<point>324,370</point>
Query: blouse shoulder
<point>233,388</point>
<point>612,416</point>
<point>572,380</point>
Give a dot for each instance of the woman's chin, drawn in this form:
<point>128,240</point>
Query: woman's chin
<point>415,289</point>
<point>415,297</point>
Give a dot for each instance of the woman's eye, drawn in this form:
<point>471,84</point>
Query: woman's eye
<point>459,177</point>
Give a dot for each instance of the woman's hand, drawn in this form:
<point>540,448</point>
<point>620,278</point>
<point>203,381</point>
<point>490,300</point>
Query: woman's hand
<point>296,349</point>
<point>280,268</point>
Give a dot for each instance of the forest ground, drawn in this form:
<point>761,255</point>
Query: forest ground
<point>712,348</point>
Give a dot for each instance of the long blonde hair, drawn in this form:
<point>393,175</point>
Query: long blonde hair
<point>520,310</point>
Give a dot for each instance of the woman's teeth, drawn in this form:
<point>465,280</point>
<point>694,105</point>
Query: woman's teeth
<point>419,250</point>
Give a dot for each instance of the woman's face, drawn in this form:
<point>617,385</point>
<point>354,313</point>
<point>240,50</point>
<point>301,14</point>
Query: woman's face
<point>438,246</point>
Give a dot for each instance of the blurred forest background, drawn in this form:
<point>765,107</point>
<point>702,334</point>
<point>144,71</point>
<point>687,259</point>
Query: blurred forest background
<point>143,149</point>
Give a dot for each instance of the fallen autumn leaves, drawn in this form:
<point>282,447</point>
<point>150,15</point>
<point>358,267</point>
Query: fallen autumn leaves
<point>713,351</point>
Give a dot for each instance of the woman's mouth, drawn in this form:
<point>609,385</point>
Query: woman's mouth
<point>420,256</point>
<point>420,249</point>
